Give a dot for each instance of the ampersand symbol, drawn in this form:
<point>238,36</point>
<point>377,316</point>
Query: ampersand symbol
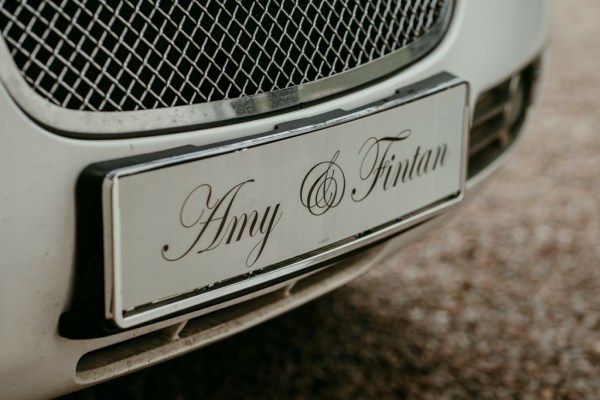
<point>323,187</point>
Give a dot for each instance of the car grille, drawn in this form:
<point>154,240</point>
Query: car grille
<point>148,54</point>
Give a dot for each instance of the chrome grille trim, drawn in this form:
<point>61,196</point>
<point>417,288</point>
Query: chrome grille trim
<point>166,113</point>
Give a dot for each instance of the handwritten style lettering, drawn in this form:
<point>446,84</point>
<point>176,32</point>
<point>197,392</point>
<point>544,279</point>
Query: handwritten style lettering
<point>381,169</point>
<point>215,225</point>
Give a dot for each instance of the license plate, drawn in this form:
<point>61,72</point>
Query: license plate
<point>200,226</point>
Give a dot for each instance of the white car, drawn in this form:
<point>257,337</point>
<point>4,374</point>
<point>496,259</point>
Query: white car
<point>175,172</point>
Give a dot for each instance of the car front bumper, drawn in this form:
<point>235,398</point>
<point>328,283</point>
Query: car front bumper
<point>487,43</point>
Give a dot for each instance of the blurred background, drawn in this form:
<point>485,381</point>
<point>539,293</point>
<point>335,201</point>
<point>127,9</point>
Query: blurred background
<point>503,302</point>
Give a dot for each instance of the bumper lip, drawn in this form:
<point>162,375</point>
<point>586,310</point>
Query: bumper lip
<point>143,123</point>
<point>98,365</point>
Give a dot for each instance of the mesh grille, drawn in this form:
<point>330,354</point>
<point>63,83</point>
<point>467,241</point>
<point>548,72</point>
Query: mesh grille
<point>133,55</point>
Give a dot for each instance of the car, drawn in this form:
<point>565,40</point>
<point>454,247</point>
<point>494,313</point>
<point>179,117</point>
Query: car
<point>176,172</point>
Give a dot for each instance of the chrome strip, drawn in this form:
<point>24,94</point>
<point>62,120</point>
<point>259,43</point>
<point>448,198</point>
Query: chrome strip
<point>127,319</point>
<point>97,125</point>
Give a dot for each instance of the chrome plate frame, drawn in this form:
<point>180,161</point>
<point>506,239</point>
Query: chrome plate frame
<point>224,292</point>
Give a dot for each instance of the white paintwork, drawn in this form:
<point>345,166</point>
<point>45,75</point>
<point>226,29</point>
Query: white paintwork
<point>487,41</point>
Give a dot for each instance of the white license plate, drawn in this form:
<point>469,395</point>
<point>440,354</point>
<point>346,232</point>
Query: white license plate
<point>211,224</point>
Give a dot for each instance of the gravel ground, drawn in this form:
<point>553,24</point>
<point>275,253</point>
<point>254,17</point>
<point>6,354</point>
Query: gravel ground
<point>501,303</point>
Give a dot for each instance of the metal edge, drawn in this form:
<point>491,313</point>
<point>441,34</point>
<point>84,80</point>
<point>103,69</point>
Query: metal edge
<point>113,309</point>
<point>102,125</point>
<point>107,200</point>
